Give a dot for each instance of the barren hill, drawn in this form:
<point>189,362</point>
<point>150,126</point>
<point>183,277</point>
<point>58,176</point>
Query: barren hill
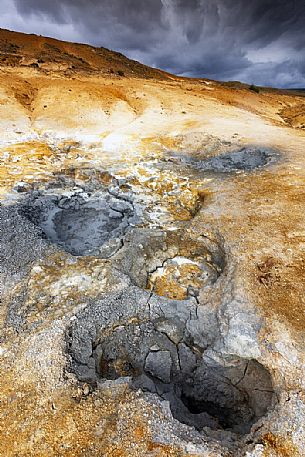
<point>49,54</point>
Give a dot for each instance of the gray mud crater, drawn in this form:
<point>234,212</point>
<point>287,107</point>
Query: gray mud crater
<point>158,355</point>
<point>80,223</point>
<point>246,159</point>
<point>201,393</point>
<point>170,263</point>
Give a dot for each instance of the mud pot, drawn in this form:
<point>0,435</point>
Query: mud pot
<point>80,223</point>
<point>157,354</point>
<point>246,159</point>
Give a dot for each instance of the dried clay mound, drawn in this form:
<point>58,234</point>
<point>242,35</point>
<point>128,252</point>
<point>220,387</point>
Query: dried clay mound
<point>152,252</point>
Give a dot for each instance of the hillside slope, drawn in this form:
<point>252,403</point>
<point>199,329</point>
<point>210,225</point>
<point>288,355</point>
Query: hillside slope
<point>48,54</point>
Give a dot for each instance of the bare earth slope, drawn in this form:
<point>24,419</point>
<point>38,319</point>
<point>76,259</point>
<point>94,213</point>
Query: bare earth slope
<point>152,259</point>
<point>48,54</point>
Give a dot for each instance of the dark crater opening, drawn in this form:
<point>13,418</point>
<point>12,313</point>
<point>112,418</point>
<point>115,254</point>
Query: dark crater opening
<point>229,393</point>
<point>245,159</point>
<point>81,223</point>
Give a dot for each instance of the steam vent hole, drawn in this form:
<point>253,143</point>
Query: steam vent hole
<point>230,394</point>
<point>81,224</point>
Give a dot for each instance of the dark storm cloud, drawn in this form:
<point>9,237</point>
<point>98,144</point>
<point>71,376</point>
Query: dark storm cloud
<point>262,41</point>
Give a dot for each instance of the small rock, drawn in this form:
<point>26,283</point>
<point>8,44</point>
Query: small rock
<point>159,365</point>
<point>86,390</point>
<point>173,329</point>
<point>22,186</point>
<point>188,359</point>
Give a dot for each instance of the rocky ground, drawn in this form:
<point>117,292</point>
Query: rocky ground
<point>151,260</point>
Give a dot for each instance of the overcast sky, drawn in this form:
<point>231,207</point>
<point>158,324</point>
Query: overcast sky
<point>255,41</point>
